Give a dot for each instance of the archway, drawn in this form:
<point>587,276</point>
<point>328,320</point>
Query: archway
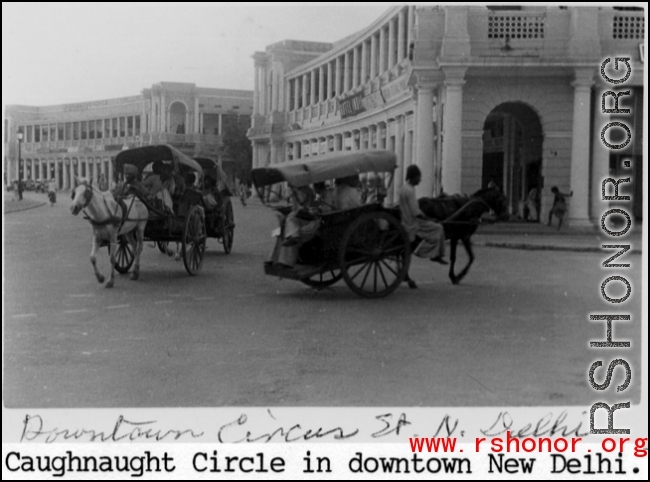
<point>177,113</point>
<point>512,156</point>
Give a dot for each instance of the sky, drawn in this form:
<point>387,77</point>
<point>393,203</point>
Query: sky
<point>76,52</point>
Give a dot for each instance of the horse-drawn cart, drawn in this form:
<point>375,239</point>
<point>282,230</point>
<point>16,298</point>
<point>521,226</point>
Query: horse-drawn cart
<point>184,223</point>
<point>220,219</point>
<point>365,245</point>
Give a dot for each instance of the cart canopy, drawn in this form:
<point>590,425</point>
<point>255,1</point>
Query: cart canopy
<point>140,157</point>
<point>324,168</point>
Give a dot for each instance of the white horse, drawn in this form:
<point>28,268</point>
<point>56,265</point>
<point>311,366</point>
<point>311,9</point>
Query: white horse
<point>105,214</point>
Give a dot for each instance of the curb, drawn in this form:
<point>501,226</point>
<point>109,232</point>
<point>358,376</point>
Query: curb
<point>547,247</point>
<point>37,205</point>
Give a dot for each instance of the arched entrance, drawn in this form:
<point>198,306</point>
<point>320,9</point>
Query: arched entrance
<point>177,113</point>
<point>512,155</point>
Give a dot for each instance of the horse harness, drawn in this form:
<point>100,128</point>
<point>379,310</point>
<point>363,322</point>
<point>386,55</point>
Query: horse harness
<point>113,219</point>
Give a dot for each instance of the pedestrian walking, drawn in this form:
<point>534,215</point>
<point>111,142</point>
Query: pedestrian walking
<point>51,192</point>
<point>559,206</point>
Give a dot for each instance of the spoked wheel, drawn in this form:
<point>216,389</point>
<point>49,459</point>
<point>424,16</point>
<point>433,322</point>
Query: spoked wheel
<point>228,228</point>
<point>124,255</point>
<point>325,279</point>
<point>194,236</point>
<point>163,246</point>
<point>374,255</point>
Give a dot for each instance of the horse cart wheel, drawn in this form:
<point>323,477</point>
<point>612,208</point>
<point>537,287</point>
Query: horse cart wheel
<point>228,228</point>
<point>374,255</point>
<point>324,279</point>
<point>163,246</point>
<point>194,236</point>
<point>124,255</point>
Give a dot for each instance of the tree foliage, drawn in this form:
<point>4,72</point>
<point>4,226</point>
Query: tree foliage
<point>236,147</point>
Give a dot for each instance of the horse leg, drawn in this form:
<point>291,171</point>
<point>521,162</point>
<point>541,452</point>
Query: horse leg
<point>452,259</point>
<point>134,240</point>
<point>139,239</point>
<point>93,259</point>
<point>112,249</point>
<point>178,252</point>
<point>468,247</point>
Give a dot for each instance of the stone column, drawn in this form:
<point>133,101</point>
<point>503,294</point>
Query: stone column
<point>600,155</point>
<point>330,80</point>
<point>71,175</point>
<point>364,61</point>
<point>401,36</point>
<point>398,180</point>
<point>296,92</point>
<point>337,80</point>
<point>305,100</point>
<point>111,174</point>
<point>346,72</point>
<point>256,91</point>
<point>355,67</point>
<point>373,56</point>
<point>452,145</point>
<point>382,51</point>
<point>408,150</point>
<point>196,115</point>
<point>262,90</point>
<point>391,43</point>
<point>312,92</point>
<point>424,148</point>
<point>391,146</point>
<point>321,84</point>
<point>220,124</point>
<point>579,203</point>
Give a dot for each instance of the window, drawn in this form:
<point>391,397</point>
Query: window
<point>129,126</point>
<point>60,134</point>
<point>30,134</point>
<point>75,131</point>
<point>107,128</point>
<point>114,126</point>
<point>45,131</point>
<point>84,130</point>
<point>137,125</point>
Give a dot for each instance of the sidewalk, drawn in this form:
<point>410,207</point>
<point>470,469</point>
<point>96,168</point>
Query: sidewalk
<point>535,236</point>
<point>30,201</point>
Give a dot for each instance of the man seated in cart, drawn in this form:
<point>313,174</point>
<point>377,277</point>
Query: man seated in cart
<point>157,184</point>
<point>430,235</point>
<point>129,184</point>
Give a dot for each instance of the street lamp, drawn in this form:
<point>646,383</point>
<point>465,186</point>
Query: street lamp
<point>19,136</point>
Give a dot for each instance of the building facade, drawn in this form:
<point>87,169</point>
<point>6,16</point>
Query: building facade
<point>82,139</point>
<point>470,94</point>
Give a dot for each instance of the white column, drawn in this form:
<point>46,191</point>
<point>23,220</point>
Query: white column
<point>398,180</point>
<point>163,117</point>
<point>391,146</point>
<point>337,80</point>
<point>321,84</point>
<point>110,173</point>
<point>382,51</point>
<point>401,36</point>
<point>256,92</point>
<point>452,145</point>
<point>274,91</point>
<point>424,153</point>
<point>410,22</point>
<point>346,73</point>
<point>391,43</point>
<point>579,203</point>
<point>408,149</point>
<point>312,87</point>
<point>297,84</point>
<point>600,156</point>
<point>364,61</point>
<point>355,67</point>
<point>220,124</point>
<point>262,90</point>
<point>373,56</point>
<point>71,175</point>
<point>305,100</point>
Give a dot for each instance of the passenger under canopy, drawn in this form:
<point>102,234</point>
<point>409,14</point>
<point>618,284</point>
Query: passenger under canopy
<point>140,157</point>
<point>326,167</point>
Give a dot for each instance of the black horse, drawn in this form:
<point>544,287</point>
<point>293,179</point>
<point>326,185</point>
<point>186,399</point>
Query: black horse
<point>460,216</point>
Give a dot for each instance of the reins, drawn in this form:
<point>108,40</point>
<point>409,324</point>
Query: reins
<point>464,207</point>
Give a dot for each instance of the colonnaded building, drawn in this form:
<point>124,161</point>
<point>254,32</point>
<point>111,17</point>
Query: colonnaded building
<point>468,93</point>
<point>82,139</point>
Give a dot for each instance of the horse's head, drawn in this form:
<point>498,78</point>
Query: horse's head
<point>82,195</point>
<point>496,200</point>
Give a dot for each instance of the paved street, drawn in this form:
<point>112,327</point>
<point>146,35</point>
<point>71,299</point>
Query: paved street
<point>515,332</point>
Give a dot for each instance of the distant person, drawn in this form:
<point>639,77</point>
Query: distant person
<point>531,207</point>
<point>347,195</point>
<point>51,192</point>
<point>559,206</point>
